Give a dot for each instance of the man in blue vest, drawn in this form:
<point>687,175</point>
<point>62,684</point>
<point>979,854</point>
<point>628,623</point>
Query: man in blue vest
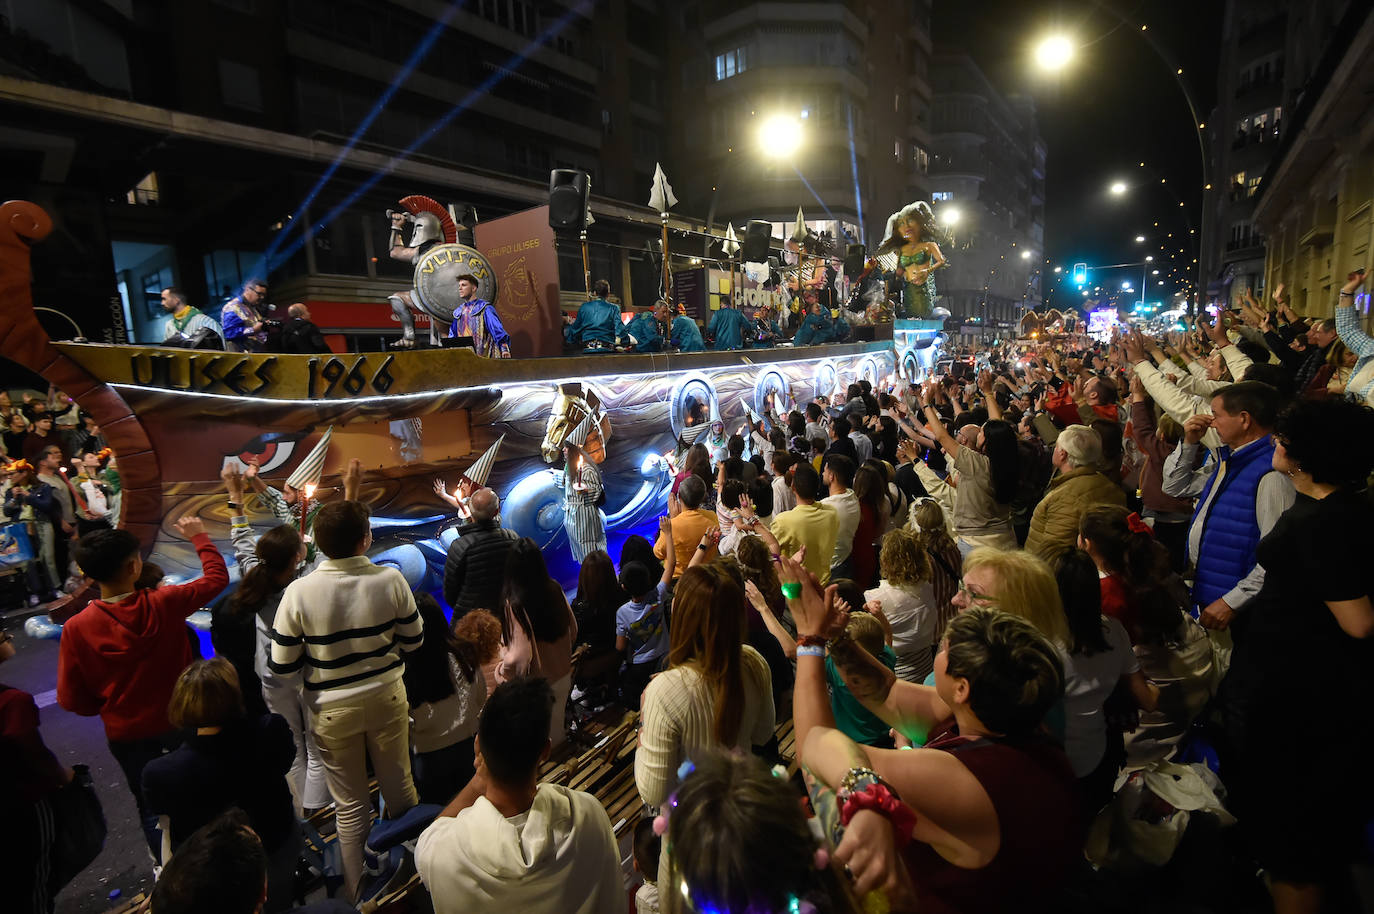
<point>1239,497</point>
<point>597,324</point>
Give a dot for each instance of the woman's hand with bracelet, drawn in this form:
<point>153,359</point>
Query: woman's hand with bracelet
<point>812,609</point>
<point>869,854</point>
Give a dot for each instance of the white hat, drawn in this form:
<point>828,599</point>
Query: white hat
<point>691,433</point>
<point>312,467</point>
<point>578,436</point>
<point>477,473</point>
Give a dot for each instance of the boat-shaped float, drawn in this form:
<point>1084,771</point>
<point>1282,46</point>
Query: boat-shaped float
<point>175,417</point>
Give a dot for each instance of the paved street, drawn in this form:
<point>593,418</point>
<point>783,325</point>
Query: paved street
<point>124,864</point>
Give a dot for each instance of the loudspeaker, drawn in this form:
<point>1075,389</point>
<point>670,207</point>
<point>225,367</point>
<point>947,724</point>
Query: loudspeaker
<point>568,190</point>
<point>757,238</point>
<point>854,258</point>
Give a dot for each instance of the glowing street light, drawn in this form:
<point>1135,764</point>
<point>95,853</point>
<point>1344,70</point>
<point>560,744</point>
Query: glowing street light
<point>1025,255</point>
<point>780,136</point>
<point>1118,188</point>
<point>950,216</point>
<point>1139,239</point>
<point>1054,52</point>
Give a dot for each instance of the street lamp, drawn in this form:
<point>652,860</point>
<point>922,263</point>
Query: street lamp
<point>1025,255</point>
<point>780,136</point>
<point>1139,239</point>
<point>1054,52</point>
<point>1118,188</point>
<point>950,216</point>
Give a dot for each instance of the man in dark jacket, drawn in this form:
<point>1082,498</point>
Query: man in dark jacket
<point>299,334</point>
<point>475,568</point>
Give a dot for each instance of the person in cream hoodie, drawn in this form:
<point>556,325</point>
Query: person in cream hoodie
<point>509,843</point>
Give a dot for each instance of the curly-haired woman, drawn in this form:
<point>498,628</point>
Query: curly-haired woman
<point>907,600</point>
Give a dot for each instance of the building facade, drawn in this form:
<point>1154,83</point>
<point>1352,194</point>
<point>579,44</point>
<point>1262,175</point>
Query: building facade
<point>1315,201</point>
<point>195,144</point>
<point>1247,125</point>
<point>987,180</point>
<point>852,74</point>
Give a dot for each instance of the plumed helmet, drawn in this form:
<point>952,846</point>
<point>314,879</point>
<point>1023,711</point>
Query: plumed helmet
<point>427,228</point>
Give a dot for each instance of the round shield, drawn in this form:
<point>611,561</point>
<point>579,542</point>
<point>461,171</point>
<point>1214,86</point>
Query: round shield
<point>436,278</point>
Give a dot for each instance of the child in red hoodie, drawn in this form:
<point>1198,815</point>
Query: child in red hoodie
<point>121,655</point>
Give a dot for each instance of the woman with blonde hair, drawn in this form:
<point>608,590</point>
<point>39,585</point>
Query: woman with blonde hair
<point>1015,582</point>
<point>716,691</point>
<point>906,598</point>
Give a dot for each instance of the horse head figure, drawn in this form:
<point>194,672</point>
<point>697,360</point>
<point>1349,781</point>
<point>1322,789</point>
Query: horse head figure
<point>571,405</point>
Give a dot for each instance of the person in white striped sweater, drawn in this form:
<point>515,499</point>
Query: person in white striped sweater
<point>342,629</point>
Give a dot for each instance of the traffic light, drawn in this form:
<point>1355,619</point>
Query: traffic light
<point>1080,273</point>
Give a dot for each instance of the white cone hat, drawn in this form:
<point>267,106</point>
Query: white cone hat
<point>579,435</point>
<point>312,467</point>
<point>477,473</point>
<point>692,433</point>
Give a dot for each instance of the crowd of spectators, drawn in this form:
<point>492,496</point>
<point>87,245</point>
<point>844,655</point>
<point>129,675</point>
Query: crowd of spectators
<point>986,602</point>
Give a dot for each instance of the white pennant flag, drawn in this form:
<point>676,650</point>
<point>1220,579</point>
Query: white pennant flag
<point>731,245</point>
<point>661,198</point>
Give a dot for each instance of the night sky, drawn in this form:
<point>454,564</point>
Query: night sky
<point>1115,106</point>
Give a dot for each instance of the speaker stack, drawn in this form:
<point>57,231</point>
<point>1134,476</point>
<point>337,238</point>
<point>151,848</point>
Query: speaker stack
<point>568,191</point>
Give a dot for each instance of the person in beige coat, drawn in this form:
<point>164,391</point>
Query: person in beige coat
<point>1077,486</point>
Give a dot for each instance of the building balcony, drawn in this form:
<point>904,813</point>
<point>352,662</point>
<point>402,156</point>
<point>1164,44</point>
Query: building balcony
<point>1244,249</point>
<point>757,81</point>
<point>1267,137</point>
<point>722,18</point>
<point>1261,93</point>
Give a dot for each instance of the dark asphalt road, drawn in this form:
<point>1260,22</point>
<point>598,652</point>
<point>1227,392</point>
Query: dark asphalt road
<point>125,863</point>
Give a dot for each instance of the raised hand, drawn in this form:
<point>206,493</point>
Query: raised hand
<point>1135,348</point>
<point>1194,427</point>
<point>188,525</point>
<point>233,482</point>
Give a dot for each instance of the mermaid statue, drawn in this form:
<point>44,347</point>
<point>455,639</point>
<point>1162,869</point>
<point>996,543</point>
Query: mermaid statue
<point>911,250</point>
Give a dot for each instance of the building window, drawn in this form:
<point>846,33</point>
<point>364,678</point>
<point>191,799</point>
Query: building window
<point>1252,185</point>
<point>942,196</point>
<point>897,149</point>
<point>239,85</point>
<point>731,63</point>
<point>144,193</point>
<point>920,158</point>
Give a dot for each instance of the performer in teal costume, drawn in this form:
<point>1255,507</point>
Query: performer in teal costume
<point>729,328</point>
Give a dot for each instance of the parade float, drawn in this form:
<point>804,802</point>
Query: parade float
<point>176,417</point>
